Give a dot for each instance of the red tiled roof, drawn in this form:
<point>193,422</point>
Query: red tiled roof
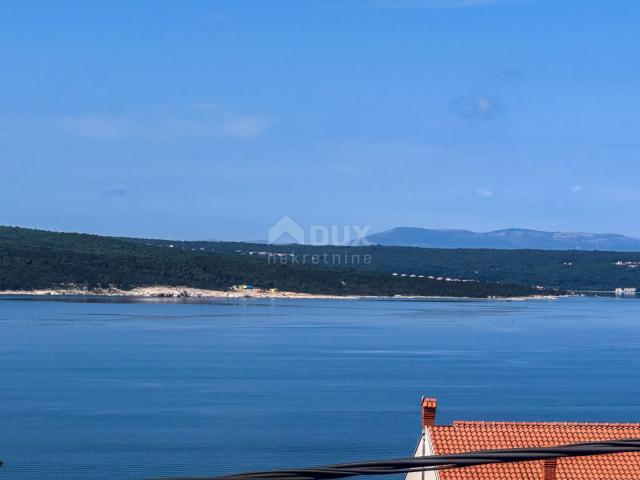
<point>470,436</point>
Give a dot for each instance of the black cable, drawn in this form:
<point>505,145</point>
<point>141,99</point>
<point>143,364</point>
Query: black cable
<point>436,462</point>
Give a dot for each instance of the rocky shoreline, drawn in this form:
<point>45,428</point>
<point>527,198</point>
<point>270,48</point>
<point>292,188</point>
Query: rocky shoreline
<point>189,292</point>
<point>168,292</point>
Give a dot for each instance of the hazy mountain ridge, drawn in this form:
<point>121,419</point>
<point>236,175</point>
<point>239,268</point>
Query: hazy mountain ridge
<point>512,238</point>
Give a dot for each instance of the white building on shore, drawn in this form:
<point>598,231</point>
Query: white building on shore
<point>625,292</point>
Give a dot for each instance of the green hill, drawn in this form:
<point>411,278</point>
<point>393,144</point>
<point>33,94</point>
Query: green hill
<point>563,269</point>
<point>35,259</point>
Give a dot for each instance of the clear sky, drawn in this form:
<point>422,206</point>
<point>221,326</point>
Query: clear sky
<point>213,119</point>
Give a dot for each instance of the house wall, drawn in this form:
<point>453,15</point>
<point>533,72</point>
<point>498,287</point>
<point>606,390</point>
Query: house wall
<point>425,447</point>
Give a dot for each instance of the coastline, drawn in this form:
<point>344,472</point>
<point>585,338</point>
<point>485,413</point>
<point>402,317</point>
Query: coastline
<point>160,291</point>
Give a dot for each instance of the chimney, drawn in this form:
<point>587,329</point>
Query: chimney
<point>550,468</point>
<point>429,406</point>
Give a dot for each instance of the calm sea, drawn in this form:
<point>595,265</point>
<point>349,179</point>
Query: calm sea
<point>107,390</point>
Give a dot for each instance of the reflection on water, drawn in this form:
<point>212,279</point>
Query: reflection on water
<point>103,389</point>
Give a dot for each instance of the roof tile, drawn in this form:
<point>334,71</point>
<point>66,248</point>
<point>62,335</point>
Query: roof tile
<point>465,436</point>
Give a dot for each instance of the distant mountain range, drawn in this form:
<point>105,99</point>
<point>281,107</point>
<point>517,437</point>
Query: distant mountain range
<point>511,238</point>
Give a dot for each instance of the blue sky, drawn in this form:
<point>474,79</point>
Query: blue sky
<point>213,119</point>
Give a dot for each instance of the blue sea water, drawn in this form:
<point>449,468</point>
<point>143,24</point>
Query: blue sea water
<point>106,390</point>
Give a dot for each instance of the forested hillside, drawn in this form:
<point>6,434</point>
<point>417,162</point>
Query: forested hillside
<point>31,259</point>
<point>565,269</point>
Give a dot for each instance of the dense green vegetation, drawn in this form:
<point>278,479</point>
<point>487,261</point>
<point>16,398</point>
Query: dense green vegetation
<point>564,269</point>
<point>37,259</point>
<point>31,259</point>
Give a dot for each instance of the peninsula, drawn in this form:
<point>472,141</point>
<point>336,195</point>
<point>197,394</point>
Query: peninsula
<point>37,261</point>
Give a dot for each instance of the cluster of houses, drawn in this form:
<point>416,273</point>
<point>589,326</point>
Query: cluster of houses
<point>171,245</point>
<point>433,277</point>
<point>629,291</point>
<point>238,251</point>
<point>249,286</point>
<point>625,292</point>
<point>264,253</point>
<point>620,263</point>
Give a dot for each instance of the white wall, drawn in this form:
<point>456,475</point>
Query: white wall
<point>425,447</point>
